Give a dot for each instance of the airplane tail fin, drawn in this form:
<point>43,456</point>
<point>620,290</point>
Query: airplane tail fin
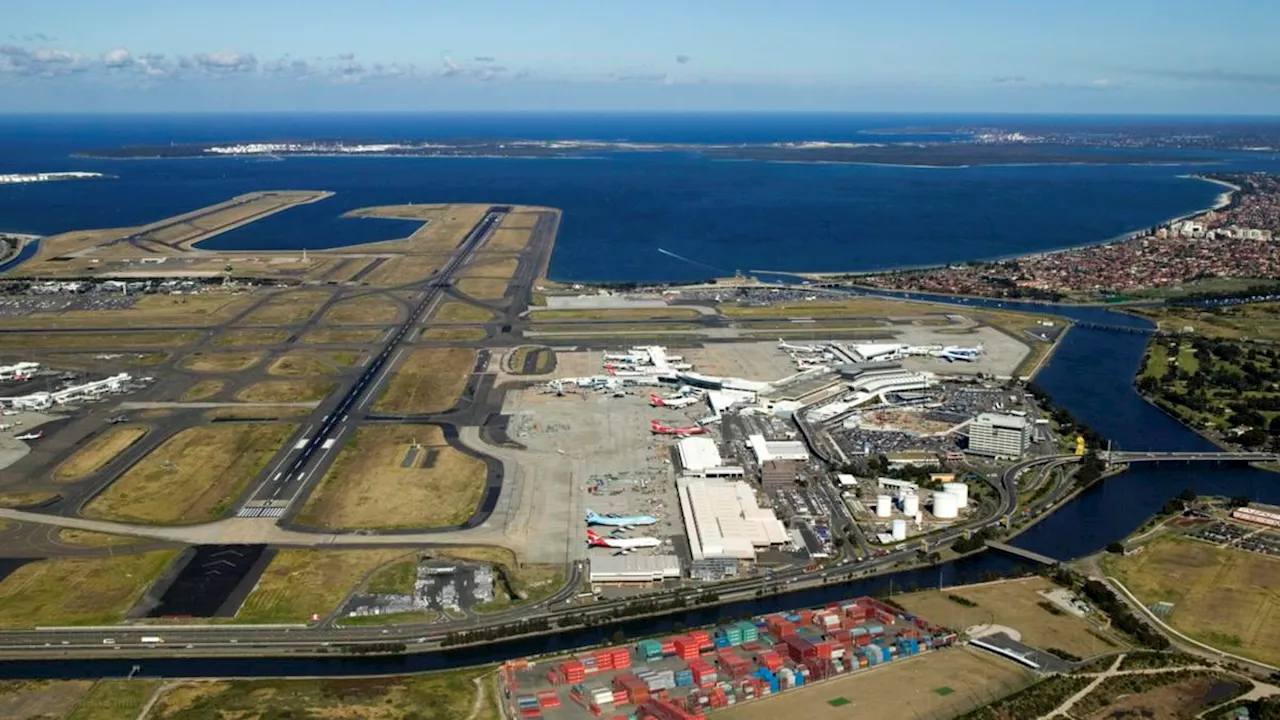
<point>591,515</point>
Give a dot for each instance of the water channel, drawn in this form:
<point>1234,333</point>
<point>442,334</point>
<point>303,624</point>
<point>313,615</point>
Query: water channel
<point>1091,375</point>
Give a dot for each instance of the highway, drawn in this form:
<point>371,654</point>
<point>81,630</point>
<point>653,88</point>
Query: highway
<point>276,493</point>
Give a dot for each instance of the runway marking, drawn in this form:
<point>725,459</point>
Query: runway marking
<point>328,444</point>
<point>300,444</point>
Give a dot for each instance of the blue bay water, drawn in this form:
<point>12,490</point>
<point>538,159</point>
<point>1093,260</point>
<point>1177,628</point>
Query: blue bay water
<point>619,209</point>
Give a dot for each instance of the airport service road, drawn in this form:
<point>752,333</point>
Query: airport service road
<point>312,453</point>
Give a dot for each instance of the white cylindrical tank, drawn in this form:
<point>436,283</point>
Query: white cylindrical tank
<point>960,490</point>
<point>884,506</point>
<point>910,505</point>
<point>899,529</point>
<point>946,505</point>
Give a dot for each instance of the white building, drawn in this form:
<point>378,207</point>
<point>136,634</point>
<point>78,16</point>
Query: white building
<point>766,450</point>
<point>723,519</point>
<point>633,568</point>
<point>698,454</point>
<point>1001,436</point>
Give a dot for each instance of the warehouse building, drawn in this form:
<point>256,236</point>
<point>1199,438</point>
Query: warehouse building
<point>1000,436</point>
<point>780,473</point>
<point>698,454</point>
<point>634,568</point>
<point>723,519</point>
<point>767,450</point>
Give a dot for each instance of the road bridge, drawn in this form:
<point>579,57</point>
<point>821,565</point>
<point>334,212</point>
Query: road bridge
<point>1021,553</point>
<point>1117,458</point>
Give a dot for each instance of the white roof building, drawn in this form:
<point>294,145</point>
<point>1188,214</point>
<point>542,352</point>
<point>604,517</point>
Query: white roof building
<point>723,519</point>
<point>633,568</point>
<point>766,450</point>
<point>698,454</point>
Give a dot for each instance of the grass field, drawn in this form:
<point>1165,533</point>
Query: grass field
<point>146,311</point>
<point>280,391</point>
<point>221,362</point>
<point>115,699</point>
<point>461,312</point>
<point>98,452</point>
<point>97,341</point>
<point>432,696</point>
<point>483,288</point>
<point>368,309</point>
<point>78,591</point>
<point>1012,604</point>
<point>508,239</point>
<point>251,336</point>
<point>406,269</point>
<point>40,699</point>
<point>300,364</point>
<point>368,488</point>
<point>454,333</point>
<point>520,356</point>
<point>1258,321</point>
<point>492,266</point>
<point>299,583</point>
<point>396,577</point>
<point>193,476</point>
<point>940,684</point>
<point>343,336</point>
<point>429,380</point>
<point>203,390</point>
<point>613,315</point>
<point>86,538</point>
<point>287,309</point>
<point>24,499</point>
<point>446,225</point>
<point>1225,598</point>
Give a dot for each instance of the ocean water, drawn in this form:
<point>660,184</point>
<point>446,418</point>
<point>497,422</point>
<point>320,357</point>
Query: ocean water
<point>621,210</point>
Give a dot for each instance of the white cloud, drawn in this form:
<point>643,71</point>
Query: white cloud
<point>117,58</point>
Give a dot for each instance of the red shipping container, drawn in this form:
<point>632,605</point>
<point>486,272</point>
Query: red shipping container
<point>862,640</point>
<point>620,697</point>
<point>530,712</point>
<point>668,647</point>
<point>687,648</point>
<point>604,661</point>
<point>806,616</point>
<point>823,649</point>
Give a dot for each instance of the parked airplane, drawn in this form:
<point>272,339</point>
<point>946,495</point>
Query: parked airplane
<point>658,428</point>
<point>678,401</point>
<point>31,436</point>
<point>5,426</point>
<point>623,373</point>
<point>784,345</point>
<point>625,545</point>
<point>953,353</point>
<point>619,521</point>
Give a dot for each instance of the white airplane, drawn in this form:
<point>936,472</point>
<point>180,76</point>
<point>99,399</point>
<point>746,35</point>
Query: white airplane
<point>784,345</point>
<point>953,353</point>
<point>619,521</point>
<point>623,373</point>
<point>5,426</point>
<point>678,401</point>
<point>625,545</point>
<point>31,436</point>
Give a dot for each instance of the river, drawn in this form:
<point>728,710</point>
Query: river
<point>1090,375</point>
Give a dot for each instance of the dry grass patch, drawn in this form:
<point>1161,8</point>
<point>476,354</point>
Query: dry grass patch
<point>406,269</point>
<point>483,288</point>
<point>78,591</point>
<point>343,336</point>
<point>98,452</point>
<point>454,333</point>
<point>446,226</point>
<point>26,499</point>
<point>193,476</point>
<point>287,309</point>
<point>299,583</point>
<point>97,341</point>
<point>221,362</point>
<point>1225,598</point>
<point>508,239</point>
<point>429,380</point>
<point>610,314</point>
<point>40,699</point>
<point>370,487</point>
<point>494,266</point>
<point>71,536</point>
<point>251,336</point>
<point>939,684</point>
<point>115,699</point>
<point>462,312</point>
<point>299,364</point>
<point>203,390</point>
<point>284,391</point>
<point>258,412</point>
<point>1015,604</point>
<point>146,311</point>
<point>368,309</point>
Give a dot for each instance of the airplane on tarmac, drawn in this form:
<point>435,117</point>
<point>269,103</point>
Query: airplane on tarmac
<point>784,345</point>
<point>953,353</point>
<point>31,436</point>
<point>624,545</point>
<point>618,521</point>
<point>5,426</point>
<point>658,428</point>
<point>678,401</point>
<point>622,373</point>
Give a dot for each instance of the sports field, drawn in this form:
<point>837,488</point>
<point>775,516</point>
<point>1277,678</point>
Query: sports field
<point>1229,599</point>
<point>934,686</point>
<point>1014,604</point>
<point>397,476</point>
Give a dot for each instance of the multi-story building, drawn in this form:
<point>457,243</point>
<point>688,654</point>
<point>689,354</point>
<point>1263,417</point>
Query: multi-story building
<point>1001,436</point>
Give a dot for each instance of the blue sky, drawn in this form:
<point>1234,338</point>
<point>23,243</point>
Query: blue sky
<point>1127,56</point>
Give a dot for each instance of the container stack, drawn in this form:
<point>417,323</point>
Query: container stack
<point>703,639</point>
<point>684,678</point>
<point>650,650</point>
<point>687,648</point>
<point>528,706</point>
<point>548,699</point>
<point>732,663</point>
<point>573,671</point>
<point>637,692</point>
<point>704,675</point>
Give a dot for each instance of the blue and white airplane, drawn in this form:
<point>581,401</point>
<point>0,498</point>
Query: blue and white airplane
<point>619,521</point>
<point>953,353</point>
